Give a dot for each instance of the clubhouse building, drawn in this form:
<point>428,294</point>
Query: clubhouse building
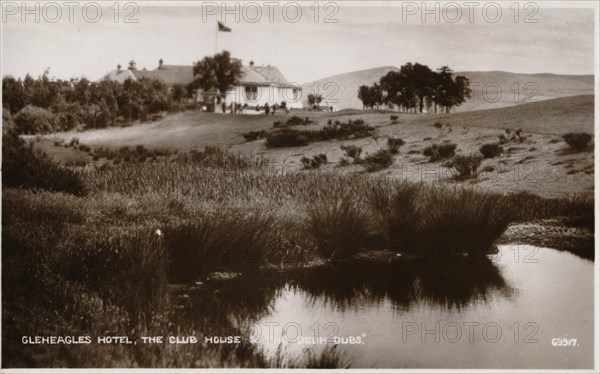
<point>259,85</point>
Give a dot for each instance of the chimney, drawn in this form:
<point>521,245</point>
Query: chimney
<point>132,65</point>
<point>160,63</point>
<point>118,68</point>
<point>251,63</point>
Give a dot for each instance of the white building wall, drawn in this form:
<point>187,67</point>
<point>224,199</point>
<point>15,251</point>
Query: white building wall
<point>265,94</point>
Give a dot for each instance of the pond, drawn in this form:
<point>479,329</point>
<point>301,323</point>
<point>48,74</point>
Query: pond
<point>499,312</point>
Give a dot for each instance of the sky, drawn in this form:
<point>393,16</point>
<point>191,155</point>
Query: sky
<point>304,44</point>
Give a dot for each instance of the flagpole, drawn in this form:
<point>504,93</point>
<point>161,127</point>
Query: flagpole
<point>216,37</point>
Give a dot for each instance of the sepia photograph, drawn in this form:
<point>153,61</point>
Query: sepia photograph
<point>231,186</point>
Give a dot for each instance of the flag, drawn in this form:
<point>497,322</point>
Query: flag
<point>222,27</point>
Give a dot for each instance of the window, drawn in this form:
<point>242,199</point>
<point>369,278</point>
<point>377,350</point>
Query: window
<point>251,93</point>
<point>296,92</point>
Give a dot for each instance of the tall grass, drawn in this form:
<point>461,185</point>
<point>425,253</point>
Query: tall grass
<point>431,221</point>
<point>225,240</point>
<point>340,227</point>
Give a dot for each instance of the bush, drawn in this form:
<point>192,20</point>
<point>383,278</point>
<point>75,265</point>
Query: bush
<point>315,162</point>
<point>394,145</point>
<point>34,120</point>
<point>352,151</point>
<point>339,227</point>
<point>349,130</point>
<point>378,161</point>
<point>287,138</point>
<point>294,121</point>
<point>254,135</point>
<point>466,166</point>
<point>25,167</point>
<point>578,141</point>
<point>394,119</point>
<point>438,152</point>
<point>491,150</point>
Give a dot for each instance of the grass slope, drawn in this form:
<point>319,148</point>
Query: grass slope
<point>543,153</point>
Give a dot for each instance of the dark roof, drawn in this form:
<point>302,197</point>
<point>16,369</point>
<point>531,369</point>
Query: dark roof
<point>184,74</point>
<point>169,74</point>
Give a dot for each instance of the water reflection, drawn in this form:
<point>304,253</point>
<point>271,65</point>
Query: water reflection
<point>451,284</point>
<point>379,298</point>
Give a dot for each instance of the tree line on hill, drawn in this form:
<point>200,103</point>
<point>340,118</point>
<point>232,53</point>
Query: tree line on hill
<point>415,87</point>
<point>43,105</point>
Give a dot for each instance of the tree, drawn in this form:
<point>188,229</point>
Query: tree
<point>443,87</point>
<point>363,95</point>
<point>462,90</point>
<point>419,79</point>
<point>13,95</point>
<point>33,120</point>
<point>178,93</point>
<point>314,99</point>
<point>370,96</point>
<point>218,72</point>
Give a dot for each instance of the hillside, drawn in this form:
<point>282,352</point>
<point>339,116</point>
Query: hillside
<point>345,86</point>
<point>195,130</point>
<point>502,88</point>
<point>531,88</point>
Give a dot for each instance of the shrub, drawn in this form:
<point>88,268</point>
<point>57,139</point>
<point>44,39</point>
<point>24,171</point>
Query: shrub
<point>26,167</point>
<point>315,162</point>
<point>33,120</point>
<point>287,138</point>
<point>466,166</point>
<point>254,135</point>
<point>339,226</point>
<point>297,121</point>
<point>491,150</point>
<point>438,152</point>
<point>394,145</point>
<point>380,160</point>
<point>578,141</point>
<point>349,130</point>
<point>394,118</point>
<point>438,125</point>
<point>352,151</point>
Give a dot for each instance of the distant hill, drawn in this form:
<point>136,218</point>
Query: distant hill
<point>344,87</point>
<point>502,88</point>
<point>531,88</point>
